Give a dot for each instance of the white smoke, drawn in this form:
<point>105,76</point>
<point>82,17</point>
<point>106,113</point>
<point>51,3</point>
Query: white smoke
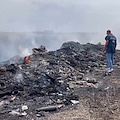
<point>22,43</point>
<point>34,44</point>
<point>18,78</point>
<point>24,51</point>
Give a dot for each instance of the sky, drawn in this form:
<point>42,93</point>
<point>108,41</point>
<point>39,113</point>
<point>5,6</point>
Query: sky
<point>59,15</point>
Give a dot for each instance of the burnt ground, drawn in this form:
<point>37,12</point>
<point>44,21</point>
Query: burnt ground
<point>55,79</point>
<point>102,103</point>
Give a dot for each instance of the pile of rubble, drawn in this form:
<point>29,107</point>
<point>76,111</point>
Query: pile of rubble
<point>46,80</point>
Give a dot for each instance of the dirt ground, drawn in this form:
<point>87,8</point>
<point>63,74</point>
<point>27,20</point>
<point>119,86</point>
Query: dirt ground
<point>102,104</point>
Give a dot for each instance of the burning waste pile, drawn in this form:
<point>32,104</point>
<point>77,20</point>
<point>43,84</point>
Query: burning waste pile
<point>48,80</point>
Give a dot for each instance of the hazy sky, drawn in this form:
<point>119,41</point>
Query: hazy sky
<point>59,15</point>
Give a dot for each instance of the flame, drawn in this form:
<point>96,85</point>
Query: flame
<point>27,59</point>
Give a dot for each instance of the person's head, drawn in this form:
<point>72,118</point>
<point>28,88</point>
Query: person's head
<point>108,32</point>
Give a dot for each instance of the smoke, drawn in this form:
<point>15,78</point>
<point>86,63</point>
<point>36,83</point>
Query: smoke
<point>18,78</point>
<point>22,43</point>
<point>12,44</point>
<point>23,51</point>
<point>27,51</point>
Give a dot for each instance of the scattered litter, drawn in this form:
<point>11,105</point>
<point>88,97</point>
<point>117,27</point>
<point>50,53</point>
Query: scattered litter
<point>49,108</point>
<point>74,101</point>
<point>24,107</point>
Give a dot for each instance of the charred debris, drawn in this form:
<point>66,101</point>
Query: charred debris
<point>47,72</point>
<point>51,78</point>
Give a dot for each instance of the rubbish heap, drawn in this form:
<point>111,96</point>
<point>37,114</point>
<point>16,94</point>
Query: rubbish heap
<point>47,80</point>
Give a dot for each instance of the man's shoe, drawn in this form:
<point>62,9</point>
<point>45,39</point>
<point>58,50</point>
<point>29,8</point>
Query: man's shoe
<point>111,69</point>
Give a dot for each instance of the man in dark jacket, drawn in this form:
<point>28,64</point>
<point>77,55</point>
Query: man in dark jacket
<point>109,47</point>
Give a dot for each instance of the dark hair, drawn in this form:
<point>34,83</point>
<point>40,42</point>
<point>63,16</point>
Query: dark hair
<point>108,31</point>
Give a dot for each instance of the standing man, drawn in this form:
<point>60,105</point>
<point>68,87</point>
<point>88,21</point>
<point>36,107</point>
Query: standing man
<point>109,47</point>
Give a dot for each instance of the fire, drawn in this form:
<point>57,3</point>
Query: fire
<point>27,59</point>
